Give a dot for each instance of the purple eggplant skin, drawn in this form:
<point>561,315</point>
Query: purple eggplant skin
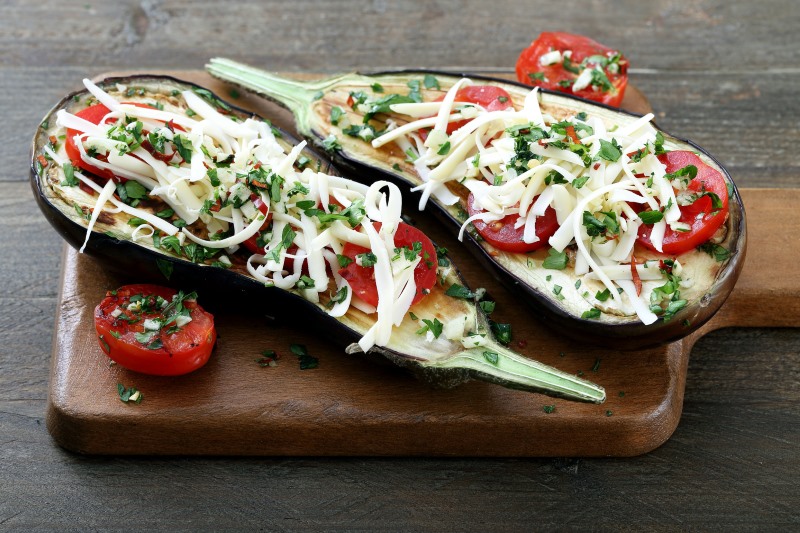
<point>624,336</point>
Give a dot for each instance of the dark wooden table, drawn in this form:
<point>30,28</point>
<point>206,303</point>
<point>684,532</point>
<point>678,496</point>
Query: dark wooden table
<point>724,74</point>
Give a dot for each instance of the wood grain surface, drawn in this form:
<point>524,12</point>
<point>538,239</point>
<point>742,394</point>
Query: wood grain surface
<point>724,74</point>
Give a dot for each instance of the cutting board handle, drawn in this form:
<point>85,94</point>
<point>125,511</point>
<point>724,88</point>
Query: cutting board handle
<point>768,291</point>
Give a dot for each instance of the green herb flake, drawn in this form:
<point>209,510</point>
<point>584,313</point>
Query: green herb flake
<point>165,267</point>
<point>591,314</point>
<point>69,176</point>
<point>487,306</point>
<point>434,326</point>
<point>306,360</point>
<point>555,260</point>
<point>596,365</point>
<point>651,217</point>
<point>129,395</point>
<point>549,409</point>
<point>502,332</point>
<point>491,357</point>
<point>444,149</point>
<point>610,151</point>
<point>336,115</point>
<point>430,82</point>
<point>376,87</point>
<point>331,143</point>
<point>459,291</point>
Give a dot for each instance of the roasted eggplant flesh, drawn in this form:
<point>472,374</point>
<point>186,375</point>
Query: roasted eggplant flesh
<point>183,201</point>
<point>604,164</point>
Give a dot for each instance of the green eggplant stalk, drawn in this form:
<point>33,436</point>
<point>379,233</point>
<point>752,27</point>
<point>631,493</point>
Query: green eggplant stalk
<point>116,238</point>
<point>348,114</point>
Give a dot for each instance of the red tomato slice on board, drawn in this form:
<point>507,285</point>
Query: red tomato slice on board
<point>607,87</point>
<point>122,320</point>
<point>701,215</point>
<point>504,236</point>
<point>490,97</point>
<point>95,114</point>
<point>362,279</point>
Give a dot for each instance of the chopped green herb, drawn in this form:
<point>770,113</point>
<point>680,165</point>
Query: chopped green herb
<point>306,361</point>
<point>492,357</point>
<point>336,115</point>
<point>430,82</point>
<point>610,151</point>
<point>501,331</point>
<point>651,217</point>
<point>720,253</point>
<point>165,267</point>
<point>459,291</point>
<point>555,260</point>
<point>603,295</point>
<point>69,176</point>
<point>549,409</point>
<point>131,394</point>
<point>331,143</point>
<point>487,306</point>
<point>434,326</point>
<point>591,314</point>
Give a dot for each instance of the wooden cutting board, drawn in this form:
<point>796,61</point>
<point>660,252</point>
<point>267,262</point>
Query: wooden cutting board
<point>350,406</point>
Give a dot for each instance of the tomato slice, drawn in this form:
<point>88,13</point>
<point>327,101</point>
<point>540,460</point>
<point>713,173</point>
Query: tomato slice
<point>362,279</point>
<point>94,114</point>
<point>504,236</point>
<point>561,75</point>
<point>700,215</point>
<point>490,97</point>
<point>171,350</point>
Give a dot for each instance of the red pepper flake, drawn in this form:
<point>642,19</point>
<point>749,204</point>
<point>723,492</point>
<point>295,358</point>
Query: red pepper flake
<point>42,160</point>
<point>53,140</point>
<point>570,130</point>
<point>637,281</point>
<point>522,343</point>
<point>596,166</point>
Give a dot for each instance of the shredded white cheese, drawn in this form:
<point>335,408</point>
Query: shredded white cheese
<point>521,162</point>
<point>229,181</point>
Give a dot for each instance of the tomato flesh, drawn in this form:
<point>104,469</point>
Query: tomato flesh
<point>557,77</point>
<point>700,215</point>
<point>94,114</point>
<point>504,236</point>
<point>362,279</point>
<point>490,97</point>
<point>169,351</point>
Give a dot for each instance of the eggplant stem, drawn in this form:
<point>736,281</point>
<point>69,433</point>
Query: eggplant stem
<point>497,364</point>
<point>295,95</point>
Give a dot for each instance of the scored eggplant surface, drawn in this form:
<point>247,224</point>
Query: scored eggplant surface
<point>115,237</point>
<point>348,114</point>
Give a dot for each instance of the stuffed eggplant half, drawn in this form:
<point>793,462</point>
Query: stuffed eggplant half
<point>153,174</point>
<point>616,232</point>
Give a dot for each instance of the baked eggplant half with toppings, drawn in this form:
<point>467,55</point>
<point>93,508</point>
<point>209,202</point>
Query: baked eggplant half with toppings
<point>616,232</point>
<point>152,174</point>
